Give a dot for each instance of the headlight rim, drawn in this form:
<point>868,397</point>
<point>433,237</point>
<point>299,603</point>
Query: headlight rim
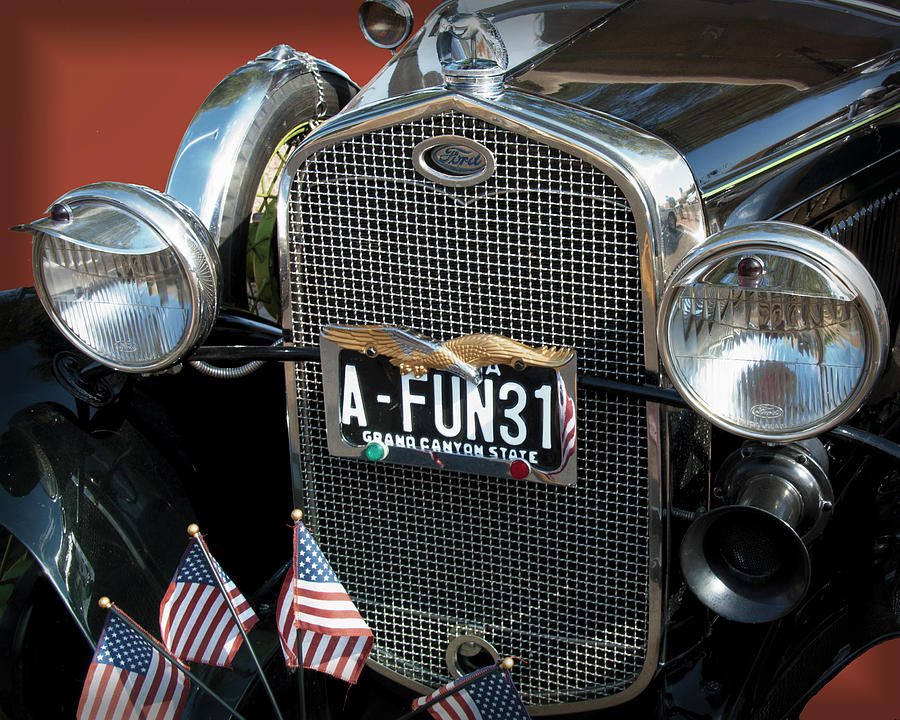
<point>178,229</point>
<point>817,250</point>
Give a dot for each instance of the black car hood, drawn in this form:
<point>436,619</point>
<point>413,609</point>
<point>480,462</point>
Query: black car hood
<point>730,84</point>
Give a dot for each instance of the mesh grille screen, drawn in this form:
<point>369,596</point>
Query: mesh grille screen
<point>544,252</point>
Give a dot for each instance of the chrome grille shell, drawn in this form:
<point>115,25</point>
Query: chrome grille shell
<point>432,555</point>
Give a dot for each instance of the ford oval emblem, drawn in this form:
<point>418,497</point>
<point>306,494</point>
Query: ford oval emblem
<point>765,411</point>
<point>453,161</point>
<point>458,159</point>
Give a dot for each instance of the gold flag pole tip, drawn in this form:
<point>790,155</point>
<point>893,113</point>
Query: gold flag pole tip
<point>507,663</point>
<point>105,603</point>
<point>297,515</point>
<point>193,529</point>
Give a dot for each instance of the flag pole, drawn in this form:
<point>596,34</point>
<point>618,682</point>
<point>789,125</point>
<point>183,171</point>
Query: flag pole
<point>504,664</point>
<point>108,604</point>
<point>194,531</point>
<point>297,516</point>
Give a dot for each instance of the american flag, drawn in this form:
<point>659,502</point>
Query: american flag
<point>194,620</point>
<point>335,638</point>
<point>487,695</point>
<point>567,423</point>
<point>129,678</point>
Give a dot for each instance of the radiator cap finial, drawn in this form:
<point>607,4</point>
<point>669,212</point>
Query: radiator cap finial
<point>473,56</point>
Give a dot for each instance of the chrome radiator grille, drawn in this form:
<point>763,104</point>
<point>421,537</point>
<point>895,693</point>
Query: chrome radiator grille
<point>544,252</point>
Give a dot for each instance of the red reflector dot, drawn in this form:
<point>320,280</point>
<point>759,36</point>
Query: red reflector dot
<point>519,469</point>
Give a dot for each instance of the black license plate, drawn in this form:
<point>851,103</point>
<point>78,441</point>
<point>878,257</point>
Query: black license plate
<point>517,423</point>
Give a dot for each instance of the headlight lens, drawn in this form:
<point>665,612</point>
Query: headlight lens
<point>128,274</point>
<point>773,331</point>
<point>385,23</point>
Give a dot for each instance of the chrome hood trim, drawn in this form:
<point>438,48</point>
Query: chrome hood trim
<point>642,162</point>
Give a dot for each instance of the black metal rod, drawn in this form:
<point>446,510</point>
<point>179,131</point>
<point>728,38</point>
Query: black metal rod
<point>873,442</point>
<point>225,596</point>
<point>172,659</point>
<point>664,396</point>
<point>245,353</point>
<point>648,393</point>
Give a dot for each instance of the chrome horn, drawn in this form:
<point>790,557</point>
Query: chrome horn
<point>747,561</point>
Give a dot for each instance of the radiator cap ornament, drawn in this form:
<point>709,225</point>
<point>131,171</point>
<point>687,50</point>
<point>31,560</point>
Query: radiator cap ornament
<point>473,56</point>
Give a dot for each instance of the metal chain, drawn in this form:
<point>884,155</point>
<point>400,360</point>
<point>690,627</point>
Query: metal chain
<point>321,106</point>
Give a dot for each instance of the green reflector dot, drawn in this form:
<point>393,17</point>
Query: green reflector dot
<point>375,451</point>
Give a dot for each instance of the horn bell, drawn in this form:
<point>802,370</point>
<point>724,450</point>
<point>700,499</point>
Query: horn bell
<point>748,561</point>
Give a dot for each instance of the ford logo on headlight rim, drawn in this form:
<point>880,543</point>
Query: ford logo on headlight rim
<point>453,161</point>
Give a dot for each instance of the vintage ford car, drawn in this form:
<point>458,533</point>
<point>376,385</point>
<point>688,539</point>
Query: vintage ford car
<point>584,318</point>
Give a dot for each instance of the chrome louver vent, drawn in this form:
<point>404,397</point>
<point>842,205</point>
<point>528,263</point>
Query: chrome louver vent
<point>544,252</point>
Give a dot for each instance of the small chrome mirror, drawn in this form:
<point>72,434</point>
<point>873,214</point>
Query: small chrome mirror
<point>386,23</point>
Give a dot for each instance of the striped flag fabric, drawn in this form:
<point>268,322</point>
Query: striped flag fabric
<point>194,620</point>
<point>567,423</point>
<point>130,679</point>
<point>485,694</point>
<point>335,638</point>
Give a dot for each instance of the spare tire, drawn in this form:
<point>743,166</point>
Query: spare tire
<point>247,227</point>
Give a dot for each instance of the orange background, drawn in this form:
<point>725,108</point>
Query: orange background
<point>104,89</point>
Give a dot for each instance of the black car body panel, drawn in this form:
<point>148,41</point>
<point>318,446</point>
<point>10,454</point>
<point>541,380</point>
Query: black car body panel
<point>743,85</point>
<point>135,461</point>
<point>78,490</point>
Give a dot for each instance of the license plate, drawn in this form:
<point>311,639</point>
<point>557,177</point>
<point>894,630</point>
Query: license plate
<point>513,422</point>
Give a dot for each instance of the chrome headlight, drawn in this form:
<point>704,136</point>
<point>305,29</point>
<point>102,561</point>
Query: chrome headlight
<point>772,331</point>
<point>128,274</point>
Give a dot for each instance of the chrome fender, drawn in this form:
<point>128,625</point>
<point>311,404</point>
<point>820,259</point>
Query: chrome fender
<point>205,160</point>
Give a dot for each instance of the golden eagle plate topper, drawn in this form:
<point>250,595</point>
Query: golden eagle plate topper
<point>479,403</point>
